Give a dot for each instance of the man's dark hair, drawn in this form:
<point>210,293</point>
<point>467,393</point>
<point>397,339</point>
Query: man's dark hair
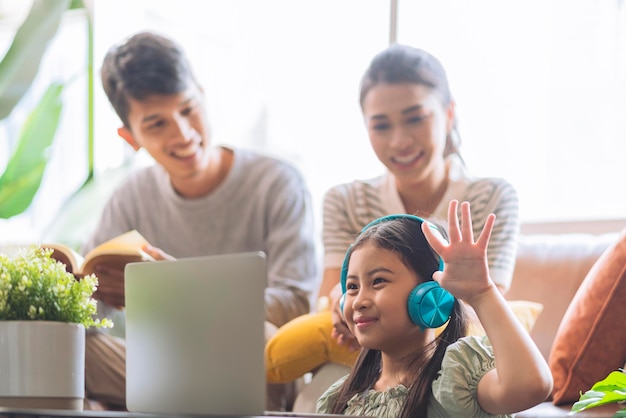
<point>145,64</point>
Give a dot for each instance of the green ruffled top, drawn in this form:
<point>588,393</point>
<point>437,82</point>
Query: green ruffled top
<point>454,390</point>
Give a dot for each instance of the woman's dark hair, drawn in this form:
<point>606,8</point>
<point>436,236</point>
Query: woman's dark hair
<point>405,64</point>
<point>143,65</point>
<point>404,236</point>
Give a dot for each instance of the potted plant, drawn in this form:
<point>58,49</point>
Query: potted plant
<point>44,311</point>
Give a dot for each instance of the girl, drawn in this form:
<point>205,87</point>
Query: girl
<point>403,370</point>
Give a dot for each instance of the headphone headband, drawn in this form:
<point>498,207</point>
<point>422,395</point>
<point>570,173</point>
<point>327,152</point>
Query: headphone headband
<point>346,259</point>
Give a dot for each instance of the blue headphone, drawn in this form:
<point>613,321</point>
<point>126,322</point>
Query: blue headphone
<point>429,304</point>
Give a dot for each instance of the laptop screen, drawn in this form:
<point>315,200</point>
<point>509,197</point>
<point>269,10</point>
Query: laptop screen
<point>195,335</point>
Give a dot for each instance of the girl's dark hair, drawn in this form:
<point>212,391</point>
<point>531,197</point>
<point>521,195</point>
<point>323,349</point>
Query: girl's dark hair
<point>405,64</point>
<point>144,64</point>
<point>404,236</point>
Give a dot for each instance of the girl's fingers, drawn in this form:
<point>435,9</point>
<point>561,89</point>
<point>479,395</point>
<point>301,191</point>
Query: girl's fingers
<point>466,222</point>
<point>432,239</point>
<point>462,231</point>
<point>465,232</point>
<point>454,232</point>
<point>485,234</point>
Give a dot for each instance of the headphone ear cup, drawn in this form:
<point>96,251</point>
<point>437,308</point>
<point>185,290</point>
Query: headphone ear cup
<point>430,305</point>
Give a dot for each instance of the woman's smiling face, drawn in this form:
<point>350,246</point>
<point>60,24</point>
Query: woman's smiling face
<point>407,125</point>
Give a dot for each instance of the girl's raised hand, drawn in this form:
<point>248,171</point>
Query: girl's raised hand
<point>466,272</point>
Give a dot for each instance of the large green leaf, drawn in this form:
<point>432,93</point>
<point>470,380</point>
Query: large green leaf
<point>20,64</point>
<point>609,390</point>
<point>25,169</point>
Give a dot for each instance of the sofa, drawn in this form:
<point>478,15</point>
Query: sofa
<point>549,269</point>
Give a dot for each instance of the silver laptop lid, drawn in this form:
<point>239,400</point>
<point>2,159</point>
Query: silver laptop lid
<point>195,335</point>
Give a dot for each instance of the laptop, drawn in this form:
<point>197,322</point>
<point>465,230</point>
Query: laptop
<point>195,335</point>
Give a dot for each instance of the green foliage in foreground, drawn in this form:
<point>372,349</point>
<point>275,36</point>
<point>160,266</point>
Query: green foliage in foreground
<point>611,389</point>
<point>18,68</point>
<point>24,172</point>
<point>34,286</point>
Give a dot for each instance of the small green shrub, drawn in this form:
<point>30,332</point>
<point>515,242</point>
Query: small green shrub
<point>34,286</point>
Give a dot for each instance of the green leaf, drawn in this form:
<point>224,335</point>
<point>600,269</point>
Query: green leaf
<point>25,169</point>
<point>620,414</point>
<point>20,64</point>
<point>611,389</point>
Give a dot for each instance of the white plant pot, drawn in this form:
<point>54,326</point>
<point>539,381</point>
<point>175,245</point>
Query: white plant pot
<point>42,365</point>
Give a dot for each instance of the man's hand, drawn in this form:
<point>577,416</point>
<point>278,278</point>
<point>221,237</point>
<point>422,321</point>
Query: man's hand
<point>157,253</point>
<point>111,279</point>
<point>110,285</point>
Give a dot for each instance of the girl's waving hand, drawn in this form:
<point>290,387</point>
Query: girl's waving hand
<point>466,272</point>
<point>521,378</point>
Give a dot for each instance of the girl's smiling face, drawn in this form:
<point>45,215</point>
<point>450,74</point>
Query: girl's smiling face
<point>378,284</point>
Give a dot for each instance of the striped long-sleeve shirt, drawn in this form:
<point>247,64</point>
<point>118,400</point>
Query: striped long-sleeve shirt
<point>349,207</point>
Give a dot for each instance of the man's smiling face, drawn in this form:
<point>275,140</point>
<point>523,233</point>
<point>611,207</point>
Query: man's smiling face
<point>173,129</point>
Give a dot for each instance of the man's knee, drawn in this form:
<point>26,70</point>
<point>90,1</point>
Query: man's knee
<point>105,370</point>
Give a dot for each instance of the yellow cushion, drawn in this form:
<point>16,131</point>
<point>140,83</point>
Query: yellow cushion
<point>305,343</point>
<point>525,311</point>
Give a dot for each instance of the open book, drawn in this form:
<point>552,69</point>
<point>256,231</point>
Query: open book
<point>117,252</point>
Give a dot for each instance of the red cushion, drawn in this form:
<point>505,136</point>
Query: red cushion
<point>591,339</point>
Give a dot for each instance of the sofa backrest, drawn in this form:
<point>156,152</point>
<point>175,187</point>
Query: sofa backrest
<point>549,269</point>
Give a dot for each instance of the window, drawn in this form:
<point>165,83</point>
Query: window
<point>280,76</point>
<point>540,88</point>
<point>541,96</point>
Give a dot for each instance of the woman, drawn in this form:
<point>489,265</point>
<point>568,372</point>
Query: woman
<point>410,118</point>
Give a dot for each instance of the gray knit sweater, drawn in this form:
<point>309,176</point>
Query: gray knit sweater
<point>262,205</point>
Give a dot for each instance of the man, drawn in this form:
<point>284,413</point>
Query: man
<point>197,199</point>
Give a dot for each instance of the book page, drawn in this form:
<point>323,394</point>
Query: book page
<point>66,255</point>
<point>117,252</point>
